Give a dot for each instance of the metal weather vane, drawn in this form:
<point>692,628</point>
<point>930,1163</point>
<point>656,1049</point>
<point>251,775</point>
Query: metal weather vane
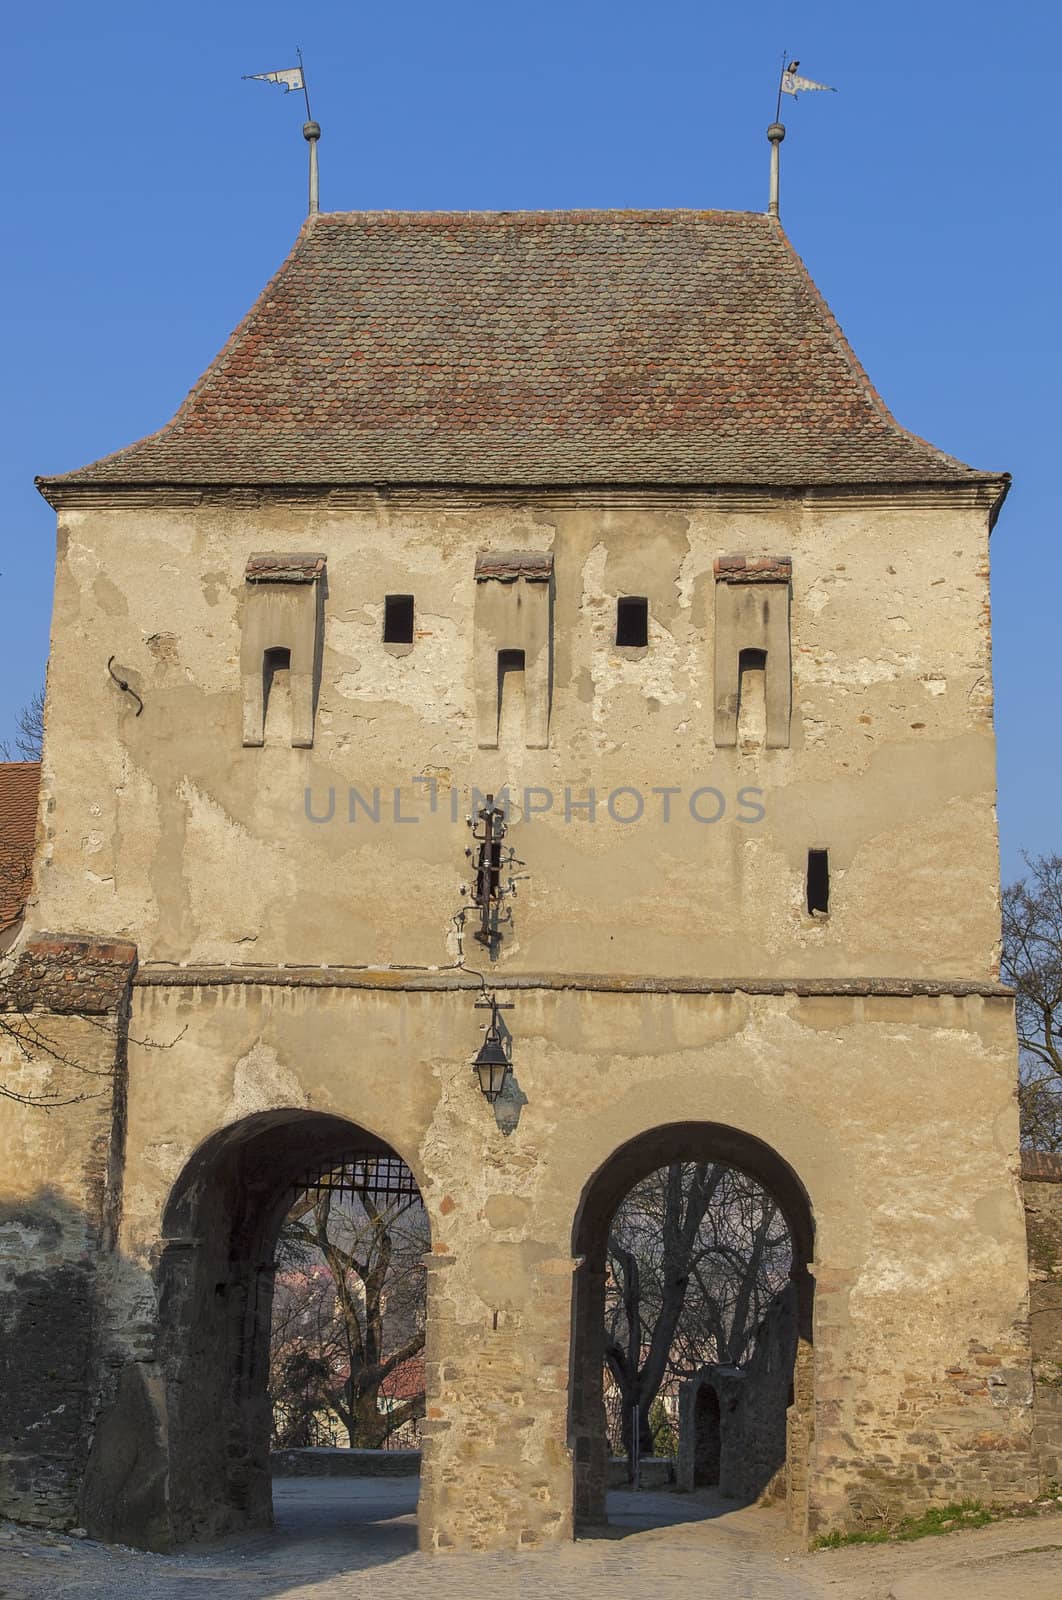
<point>293,79</point>
<point>789,82</point>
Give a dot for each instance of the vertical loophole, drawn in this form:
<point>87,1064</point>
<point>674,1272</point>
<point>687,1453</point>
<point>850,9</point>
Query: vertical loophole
<point>398,619</point>
<point>818,882</point>
<point>511,709</point>
<point>752,698</point>
<point>632,621</point>
<point>276,696</point>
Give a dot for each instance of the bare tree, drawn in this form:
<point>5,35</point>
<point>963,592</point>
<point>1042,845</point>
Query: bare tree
<point>1032,964</point>
<point>29,732</point>
<point>26,1036</point>
<point>339,1334</point>
<point>25,1039</point>
<point>306,1351</point>
<point>696,1252</point>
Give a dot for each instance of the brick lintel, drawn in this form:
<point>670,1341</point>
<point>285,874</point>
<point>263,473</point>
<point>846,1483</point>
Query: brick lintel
<point>753,569</point>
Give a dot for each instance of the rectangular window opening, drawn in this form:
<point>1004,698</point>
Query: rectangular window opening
<point>398,619</point>
<point>818,882</point>
<point>632,621</point>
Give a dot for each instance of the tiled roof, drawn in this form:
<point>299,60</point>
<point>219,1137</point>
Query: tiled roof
<point>19,785</point>
<point>1041,1166</point>
<point>406,1381</point>
<point>537,348</point>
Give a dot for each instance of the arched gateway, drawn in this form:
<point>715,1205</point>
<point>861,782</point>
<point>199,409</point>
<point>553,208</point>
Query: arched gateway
<point>659,1147</point>
<point>596,514</point>
<point>184,1452</point>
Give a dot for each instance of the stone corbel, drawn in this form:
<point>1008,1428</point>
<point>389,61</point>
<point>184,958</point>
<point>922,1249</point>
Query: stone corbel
<point>752,614</point>
<point>283,611</point>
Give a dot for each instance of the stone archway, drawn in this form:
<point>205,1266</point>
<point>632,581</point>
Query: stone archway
<point>201,1413</point>
<point>631,1162</point>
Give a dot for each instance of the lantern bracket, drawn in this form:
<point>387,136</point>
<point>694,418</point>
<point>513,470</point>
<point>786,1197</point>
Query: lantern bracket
<point>491,1063</point>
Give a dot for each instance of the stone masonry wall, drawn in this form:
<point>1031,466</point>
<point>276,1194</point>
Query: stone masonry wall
<point>67,973</point>
<point>1042,1185</point>
<point>750,1420</point>
<point>62,1058</point>
<point>754,1432</point>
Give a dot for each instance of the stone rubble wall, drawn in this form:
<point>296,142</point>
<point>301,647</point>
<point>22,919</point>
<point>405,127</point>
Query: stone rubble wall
<point>754,1403</point>
<point>66,973</point>
<point>1042,1186</point>
<point>63,1004</point>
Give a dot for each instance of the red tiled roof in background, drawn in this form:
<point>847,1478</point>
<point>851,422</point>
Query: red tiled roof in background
<point>20,783</point>
<point>406,1382</point>
<point>1041,1166</point>
<point>534,348</point>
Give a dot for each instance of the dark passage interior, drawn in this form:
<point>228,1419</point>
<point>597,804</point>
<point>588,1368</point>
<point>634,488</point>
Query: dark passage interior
<point>708,1440</point>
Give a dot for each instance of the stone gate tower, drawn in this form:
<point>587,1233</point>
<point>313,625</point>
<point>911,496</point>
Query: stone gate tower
<point>597,512</point>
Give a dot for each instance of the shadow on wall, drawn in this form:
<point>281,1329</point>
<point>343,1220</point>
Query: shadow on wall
<point>48,1310</point>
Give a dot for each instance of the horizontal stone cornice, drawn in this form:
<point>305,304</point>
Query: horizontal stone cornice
<point>446,979</point>
<point>984,496</point>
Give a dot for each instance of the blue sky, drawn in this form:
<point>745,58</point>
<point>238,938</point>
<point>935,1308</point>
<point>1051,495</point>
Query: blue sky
<point>149,193</point>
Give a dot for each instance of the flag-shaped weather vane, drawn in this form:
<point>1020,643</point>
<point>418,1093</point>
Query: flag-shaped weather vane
<point>289,79</point>
<point>789,82</point>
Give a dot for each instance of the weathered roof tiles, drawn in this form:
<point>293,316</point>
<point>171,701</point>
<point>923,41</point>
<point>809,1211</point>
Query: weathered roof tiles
<point>534,348</point>
<point>19,787</point>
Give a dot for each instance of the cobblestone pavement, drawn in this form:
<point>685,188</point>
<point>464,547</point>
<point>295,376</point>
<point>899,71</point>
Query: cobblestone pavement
<point>354,1538</point>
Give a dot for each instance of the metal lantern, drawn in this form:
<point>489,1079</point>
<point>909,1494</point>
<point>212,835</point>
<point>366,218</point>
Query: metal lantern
<point>492,1063</point>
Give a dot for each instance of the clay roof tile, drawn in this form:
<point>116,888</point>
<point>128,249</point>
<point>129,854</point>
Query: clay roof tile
<point>19,787</point>
<point>534,348</point>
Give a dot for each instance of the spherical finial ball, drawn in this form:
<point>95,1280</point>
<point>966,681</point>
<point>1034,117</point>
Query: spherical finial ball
<point>776,133</point>
<point>311,130</point>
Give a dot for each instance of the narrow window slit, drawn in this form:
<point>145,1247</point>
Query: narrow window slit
<point>818,882</point>
<point>632,621</point>
<point>752,698</point>
<point>511,691</point>
<point>398,619</point>
<point>276,696</point>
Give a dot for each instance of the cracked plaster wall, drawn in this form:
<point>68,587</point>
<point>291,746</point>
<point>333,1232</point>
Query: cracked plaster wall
<point>164,829</point>
<point>918,1357</point>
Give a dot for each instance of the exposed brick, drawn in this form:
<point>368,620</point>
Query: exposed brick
<point>753,569</point>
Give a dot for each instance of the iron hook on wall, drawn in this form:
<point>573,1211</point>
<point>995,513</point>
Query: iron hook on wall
<point>124,686</point>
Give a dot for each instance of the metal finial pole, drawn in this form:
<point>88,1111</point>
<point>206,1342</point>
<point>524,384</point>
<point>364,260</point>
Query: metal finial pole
<point>311,132</point>
<point>775,133</point>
